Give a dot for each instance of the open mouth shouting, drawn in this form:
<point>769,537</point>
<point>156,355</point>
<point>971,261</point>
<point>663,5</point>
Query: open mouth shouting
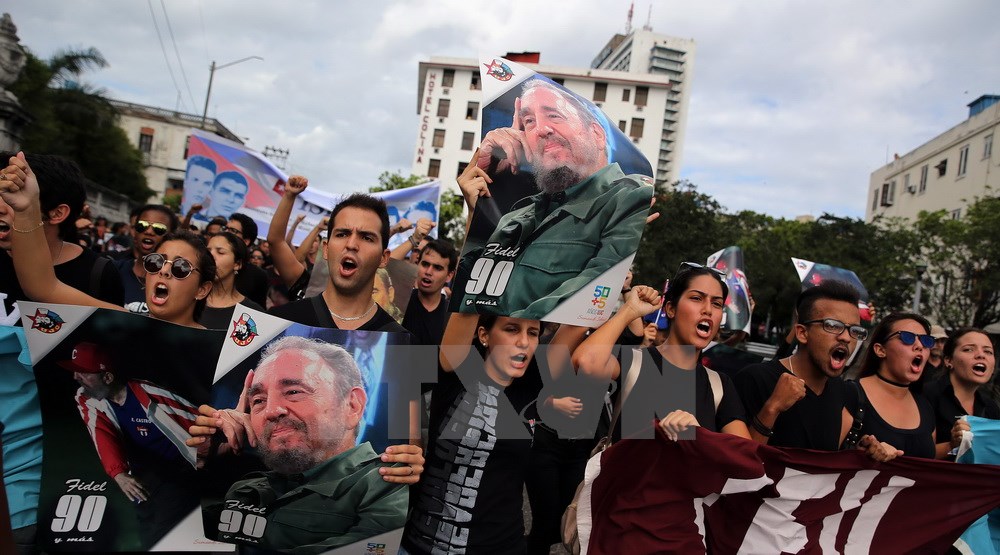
<point>4,231</point>
<point>979,369</point>
<point>838,357</point>
<point>519,361</point>
<point>160,294</point>
<point>348,266</point>
<point>147,244</point>
<point>704,329</point>
<point>917,364</point>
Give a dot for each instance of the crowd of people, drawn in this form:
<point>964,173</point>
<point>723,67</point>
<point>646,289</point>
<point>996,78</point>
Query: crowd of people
<point>466,476</point>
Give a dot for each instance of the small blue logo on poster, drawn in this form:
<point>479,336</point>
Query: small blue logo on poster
<point>244,330</point>
<point>375,549</point>
<point>601,294</point>
<point>499,70</point>
<point>46,321</point>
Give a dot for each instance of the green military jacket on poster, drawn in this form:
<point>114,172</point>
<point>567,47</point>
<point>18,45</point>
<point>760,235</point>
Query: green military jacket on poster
<point>550,246</point>
<point>339,502</point>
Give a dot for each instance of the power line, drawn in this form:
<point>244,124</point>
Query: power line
<point>177,53</point>
<point>163,48</point>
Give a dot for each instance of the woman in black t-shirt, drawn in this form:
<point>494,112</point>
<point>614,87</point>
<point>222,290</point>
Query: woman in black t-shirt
<point>230,254</point>
<point>469,499</point>
<point>693,305</point>
<point>969,360</point>
<point>895,357</point>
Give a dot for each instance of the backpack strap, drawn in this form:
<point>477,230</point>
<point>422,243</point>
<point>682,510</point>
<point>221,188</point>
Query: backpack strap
<point>854,434</point>
<point>630,379</point>
<point>96,273</point>
<point>716,382</point>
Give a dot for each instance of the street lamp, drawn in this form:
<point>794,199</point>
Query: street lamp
<point>921,268</point>
<point>211,74</point>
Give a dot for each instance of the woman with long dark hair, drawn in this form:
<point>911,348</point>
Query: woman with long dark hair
<point>969,363</point>
<point>693,304</point>
<point>230,254</point>
<point>897,351</point>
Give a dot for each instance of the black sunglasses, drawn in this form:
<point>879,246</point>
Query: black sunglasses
<point>142,225</point>
<point>908,338</point>
<point>836,327</point>
<point>180,268</point>
<point>688,266</point>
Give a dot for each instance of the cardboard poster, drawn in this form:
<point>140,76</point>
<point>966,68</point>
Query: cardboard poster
<point>812,274</point>
<point>738,313</point>
<point>227,177</point>
<point>567,207</point>
<point>118,392</point>
<point>316,400</point>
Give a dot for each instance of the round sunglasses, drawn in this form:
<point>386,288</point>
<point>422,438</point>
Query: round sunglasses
<point>142,225</point>
<point>180,268</point>
<point>908,338</point>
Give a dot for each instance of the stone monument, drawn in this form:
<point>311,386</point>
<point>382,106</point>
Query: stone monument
<point>13,117</point>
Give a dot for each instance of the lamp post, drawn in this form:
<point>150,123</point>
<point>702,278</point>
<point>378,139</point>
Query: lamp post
<point>211,74</point>
<point>921,268</point>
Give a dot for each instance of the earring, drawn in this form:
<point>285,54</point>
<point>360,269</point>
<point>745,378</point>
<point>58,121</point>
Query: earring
<point>486,345</point>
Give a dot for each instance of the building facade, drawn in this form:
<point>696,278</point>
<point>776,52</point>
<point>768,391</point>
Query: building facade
<point>162,135</point>
<point>449,100</point>
<point>945,173</point>
<point>644,52</point>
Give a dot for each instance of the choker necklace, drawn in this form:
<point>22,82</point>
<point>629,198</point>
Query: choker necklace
<point>352,318</point>
<point>890,382</point>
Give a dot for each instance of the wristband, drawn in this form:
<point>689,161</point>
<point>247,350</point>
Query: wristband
<point>413,240</point>
<point>760,428</point>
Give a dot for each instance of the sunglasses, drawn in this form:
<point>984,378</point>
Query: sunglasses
<point>688,266</point>
<point>180,268</point>
<point>836,327</point>
<point>142,225</point>
<point>908,338</point>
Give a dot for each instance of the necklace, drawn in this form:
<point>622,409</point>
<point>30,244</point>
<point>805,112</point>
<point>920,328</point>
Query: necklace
<point>791,368</point>
<point>890,382</point>
<point>55,261</point>
<point>352,318</point>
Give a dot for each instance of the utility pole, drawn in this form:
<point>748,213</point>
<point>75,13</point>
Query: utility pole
<point>211,75</point>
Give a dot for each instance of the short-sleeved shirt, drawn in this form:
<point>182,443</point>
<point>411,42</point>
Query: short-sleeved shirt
<point>814,422</point>
<point>426,326</point>
<point>940,393</point>
<point>77,273</point>
<point>703,404</point>
<point>469,497</point>
<point>222,318</point>
<point>312,311</point>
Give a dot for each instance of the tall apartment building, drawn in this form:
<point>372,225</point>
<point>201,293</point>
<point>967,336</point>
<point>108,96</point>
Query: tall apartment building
<point>449,97</point>
<point>644,52</point>
<point>162,137</point>
<point>945,173</point>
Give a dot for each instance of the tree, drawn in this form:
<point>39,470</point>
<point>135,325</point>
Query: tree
<point>76,121</point>
<point>963,259</point>
<point>392,181</point>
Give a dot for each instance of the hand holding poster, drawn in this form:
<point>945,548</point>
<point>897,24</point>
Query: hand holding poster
<point>295,465</point>
<point>118,392</point>
<point>555,237</point>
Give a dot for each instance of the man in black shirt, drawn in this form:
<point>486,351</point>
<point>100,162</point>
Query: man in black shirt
<point>62,198</point>
<point>427,311</point>
<point>251,280</point>
<point>358,232</point>
<point>801,401</point>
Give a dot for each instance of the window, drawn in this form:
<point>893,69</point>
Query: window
<point>559,80</point>
<point>621,125</point>
<point>942,167</point>
<point>434,168</point>
<point>923,180</point>
<point>467,138</point>
<point>637,125</point>
<point>461,168</point>
<point>600,92</point>
<point>626,95</point>
<point>987,146</point>
<point>187,145</point>
<point>956,214</point>
<point>444,105</point>
<point>472,111</point>
<point>438,141</point>
<point>885,194</point>
<point>963,161</point>
<point>906,183</point>
<point>892,191</point>
<point>146,140</point>
<point>475,86</point>
<point>449,78</point>
<point>875,201</point>
<point>641,96</point>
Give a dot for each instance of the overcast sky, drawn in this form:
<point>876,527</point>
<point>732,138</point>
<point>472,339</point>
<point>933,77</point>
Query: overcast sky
<point>794,103</point>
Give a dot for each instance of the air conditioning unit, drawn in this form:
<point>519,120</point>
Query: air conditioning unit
<point>599,104</point>
<point>635,140</point>
<point>437,151</point>
<point>638,108</point>
<point>440,120</point>
<point>912,189</point>
<point>444,92</point>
